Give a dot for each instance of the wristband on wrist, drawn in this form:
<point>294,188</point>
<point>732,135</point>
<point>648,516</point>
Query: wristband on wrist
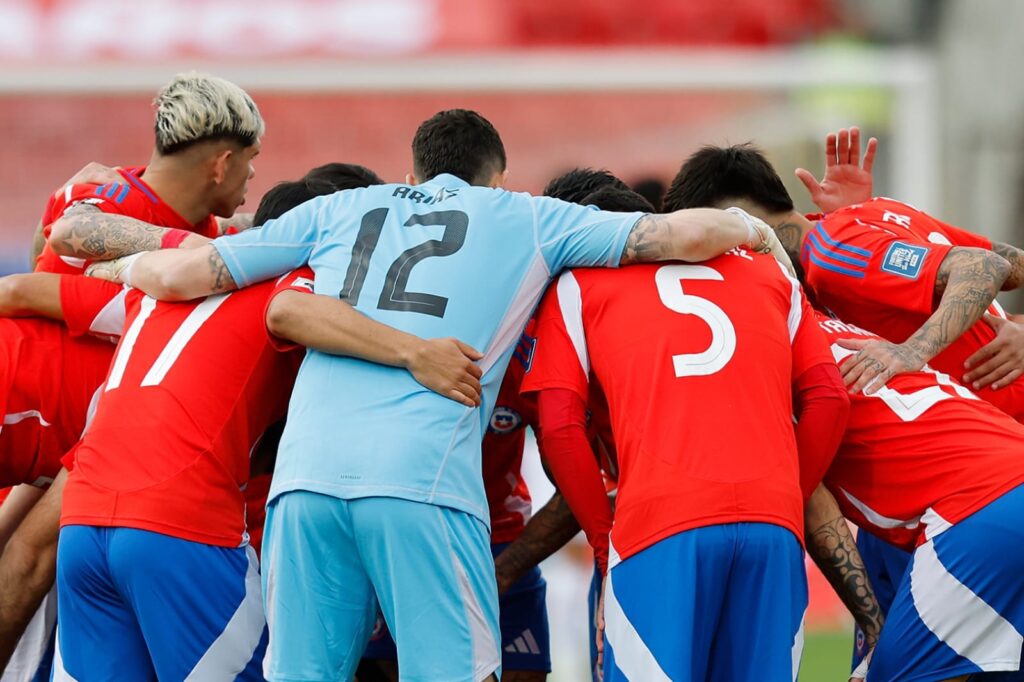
<point>173,238</point>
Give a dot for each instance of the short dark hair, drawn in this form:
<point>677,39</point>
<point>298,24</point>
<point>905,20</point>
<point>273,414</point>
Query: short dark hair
<point>326,179</point>
<point>459,142</point>
<point>611,198</point>
<point>340,176</point>
<point>652,189</point>
<point>579,183</point>
<point>714,175</point>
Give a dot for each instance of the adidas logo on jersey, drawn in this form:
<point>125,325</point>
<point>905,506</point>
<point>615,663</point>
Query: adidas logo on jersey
<point>523,644</point>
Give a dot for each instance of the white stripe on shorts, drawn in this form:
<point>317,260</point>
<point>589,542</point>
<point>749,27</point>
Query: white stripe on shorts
<point>632,656</point>
<point>798,646</point>
<point>486,652</point>
<point>959,617</point>
<point>231,652</point>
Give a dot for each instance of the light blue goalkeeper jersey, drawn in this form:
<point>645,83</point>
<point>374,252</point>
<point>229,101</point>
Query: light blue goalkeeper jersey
<point>439,259</point>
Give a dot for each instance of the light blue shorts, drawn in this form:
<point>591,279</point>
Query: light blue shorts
<point>329,562</point>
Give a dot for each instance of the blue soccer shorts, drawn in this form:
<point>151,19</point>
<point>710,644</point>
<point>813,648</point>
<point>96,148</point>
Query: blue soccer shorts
<point>960,606</point>
<point>719,604</point>
<point>525,641</point>
<point>137,605</point>
<point>329,563</point>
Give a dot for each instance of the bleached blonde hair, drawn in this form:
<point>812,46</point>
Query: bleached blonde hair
<point>196,107</point>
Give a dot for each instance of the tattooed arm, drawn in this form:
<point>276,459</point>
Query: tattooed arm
<point>966,284</point>
<point>697,234</point>
<point>87,232</point>
<point>170,274</point>
<point>1015,257</point>
<point>546,533</point>
<point>831,544</point>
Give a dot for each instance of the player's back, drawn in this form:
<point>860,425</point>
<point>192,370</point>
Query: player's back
<point>874,265</point>
<point>920,453</point>
<point>191,388</point>
<point>696,362</point>
<point>439,259</point>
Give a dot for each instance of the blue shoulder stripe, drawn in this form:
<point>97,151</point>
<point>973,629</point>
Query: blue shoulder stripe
<point>99,190</point>
<point>112,190</point>
<point>855,250</point>
<point>125,188</point>
<point>859,274</point>
<point>139,186</point>
<point>812,242</point>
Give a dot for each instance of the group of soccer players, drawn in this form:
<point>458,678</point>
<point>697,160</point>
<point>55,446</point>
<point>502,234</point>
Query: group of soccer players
<point>363,364</point>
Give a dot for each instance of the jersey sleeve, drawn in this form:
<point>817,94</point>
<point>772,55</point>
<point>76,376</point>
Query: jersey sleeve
<point>277,247</point>
<point>300,280</point>
<point>875,264</point>
<point>92,306</point>
<point>560,358</point>
<point>961,237</point>
<point>570,235</point>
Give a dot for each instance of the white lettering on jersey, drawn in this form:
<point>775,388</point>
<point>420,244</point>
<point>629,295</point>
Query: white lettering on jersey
<point>898,218</point>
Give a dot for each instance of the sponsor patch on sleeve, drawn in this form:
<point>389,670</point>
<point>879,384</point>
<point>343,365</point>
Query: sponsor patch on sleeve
<point>904,259</point>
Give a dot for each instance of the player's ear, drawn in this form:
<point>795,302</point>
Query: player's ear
<point>500,179</point>
<point>410,179</point>
<point>219,167</point>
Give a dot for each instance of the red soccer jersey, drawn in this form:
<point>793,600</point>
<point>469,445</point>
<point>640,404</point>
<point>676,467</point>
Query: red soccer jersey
<point>697,363</point>
<point>47,381</point>
<point>874,266</point>
<point>191,389</point>
<point>133,197</point>
<point>920,454</point>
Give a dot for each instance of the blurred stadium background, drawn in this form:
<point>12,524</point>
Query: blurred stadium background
<point>633,86</point>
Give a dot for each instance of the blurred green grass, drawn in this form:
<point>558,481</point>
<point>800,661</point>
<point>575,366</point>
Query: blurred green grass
<point>827,656</point>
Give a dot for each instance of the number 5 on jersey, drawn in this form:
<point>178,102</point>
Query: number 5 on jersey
<point>669,280</point>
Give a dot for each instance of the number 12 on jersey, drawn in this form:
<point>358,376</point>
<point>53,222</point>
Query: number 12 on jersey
<point>394,295</point>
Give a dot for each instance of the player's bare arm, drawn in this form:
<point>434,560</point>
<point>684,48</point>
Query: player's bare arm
<point>547,531</point>
<point>966,284</point>
<point>14,509</point>
<point>833,548</point>
<point>34,294</point>
<point>28,567</point>
<point>1015,257</point>
<point>87,232</point>
<point>696,234</point>
<point>999,362</point>
<point>446,366</point>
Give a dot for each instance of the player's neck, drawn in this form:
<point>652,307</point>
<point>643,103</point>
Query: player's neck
<point>178,188</point>
<point>792,229</point>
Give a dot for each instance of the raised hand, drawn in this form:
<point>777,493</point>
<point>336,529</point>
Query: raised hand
<point>847,181</point>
